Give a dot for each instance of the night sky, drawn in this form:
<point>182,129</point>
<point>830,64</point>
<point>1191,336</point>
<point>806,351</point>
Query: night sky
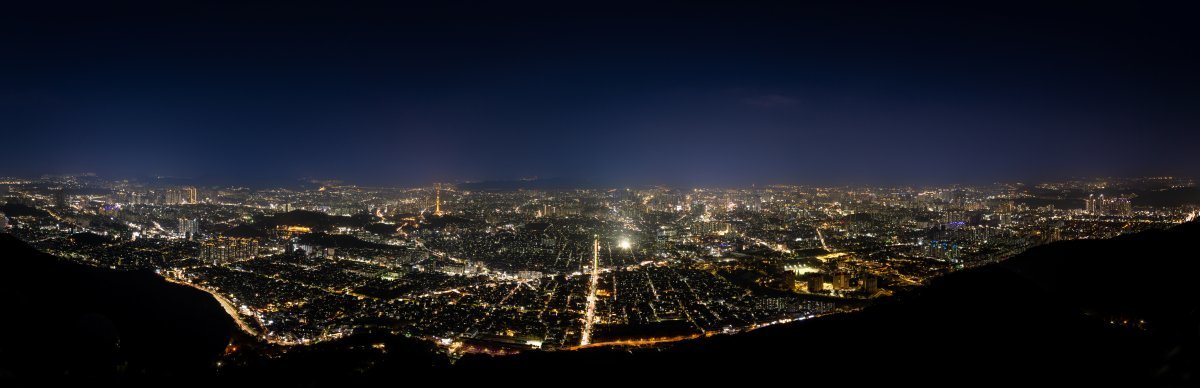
<point>677,93</point>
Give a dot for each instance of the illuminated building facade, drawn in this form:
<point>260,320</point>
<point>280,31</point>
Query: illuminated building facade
<point>224,250</point>
<point>1111,206</point>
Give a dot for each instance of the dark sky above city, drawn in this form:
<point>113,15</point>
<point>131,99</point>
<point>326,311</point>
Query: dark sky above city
<point>703,93</point>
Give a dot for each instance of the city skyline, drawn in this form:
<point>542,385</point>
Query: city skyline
<point>184,185</point>
<point>504,270</point>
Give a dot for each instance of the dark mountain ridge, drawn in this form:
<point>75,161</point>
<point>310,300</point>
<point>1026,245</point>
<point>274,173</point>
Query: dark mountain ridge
<point>66,320</point>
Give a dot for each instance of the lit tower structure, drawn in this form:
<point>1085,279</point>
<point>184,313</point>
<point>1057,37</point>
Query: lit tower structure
<point>437,202</point>
<point>589,318</point>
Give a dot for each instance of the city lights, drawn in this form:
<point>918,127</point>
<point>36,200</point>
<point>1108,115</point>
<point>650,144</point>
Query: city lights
<point>491,271</point>
<point>659,193</point>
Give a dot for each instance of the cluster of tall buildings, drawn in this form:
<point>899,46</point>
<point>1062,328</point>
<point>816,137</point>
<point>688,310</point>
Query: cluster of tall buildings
<point>224,250</point>
<point>943,250</point>
<point>171,196</point>
<point>181,196</point>
<point>567,209</point>
<point>189,227</point>
<point>840,281</point>
<point>470,268</point>
<point>1110,206</point>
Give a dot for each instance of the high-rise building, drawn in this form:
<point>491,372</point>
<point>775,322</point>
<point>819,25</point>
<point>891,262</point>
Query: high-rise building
<point>841,281</point>
<point>189,227</point>
<point>1112,206</point>
<point>816,282</point>
<point>224,250</point>
<point>60,198</point>
<point>1121,206</point>
<point>189,195</point>
<point>870,284</point>
<point>173,197</point>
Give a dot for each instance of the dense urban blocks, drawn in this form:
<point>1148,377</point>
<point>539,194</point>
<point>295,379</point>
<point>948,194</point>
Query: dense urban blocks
<point>498,272</point>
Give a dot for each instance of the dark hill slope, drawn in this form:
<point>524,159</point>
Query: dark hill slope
<point>65,319</point>
<point>340,241</point>
<point>19,210</point>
